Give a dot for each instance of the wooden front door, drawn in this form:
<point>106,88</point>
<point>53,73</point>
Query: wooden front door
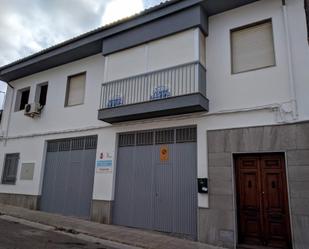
<point>263,213</point>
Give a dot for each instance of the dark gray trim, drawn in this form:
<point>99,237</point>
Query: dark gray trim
<point>214,7</point>
<point>157,108</point>
<point>202,79</point>
<point>180,21</point>
<point>162,20</point>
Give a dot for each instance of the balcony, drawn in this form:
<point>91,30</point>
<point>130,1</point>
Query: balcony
<point>172,91</point>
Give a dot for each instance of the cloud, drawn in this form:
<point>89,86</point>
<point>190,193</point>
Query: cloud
<point>29,26</point>
<point>118,9</point>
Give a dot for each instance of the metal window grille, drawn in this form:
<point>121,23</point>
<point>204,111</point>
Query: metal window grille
<point>52,146</point>
<point>164,136</point>
<point>184,135</point>
<point>78,143</point>
<point>144,138</point>
<point>10,168</point>
<point>65,145</point>
<point>91,142</point>
<point>127,139</point>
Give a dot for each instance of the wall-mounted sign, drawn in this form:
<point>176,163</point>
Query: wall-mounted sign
<point>164,153</point>
<point>104,166</point>
<point>104,163</point>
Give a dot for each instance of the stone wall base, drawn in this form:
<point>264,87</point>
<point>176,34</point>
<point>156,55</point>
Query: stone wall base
<point>25,201</point>
<point>101,211</point>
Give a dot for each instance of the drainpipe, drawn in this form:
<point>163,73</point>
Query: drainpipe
<point>290,64</point>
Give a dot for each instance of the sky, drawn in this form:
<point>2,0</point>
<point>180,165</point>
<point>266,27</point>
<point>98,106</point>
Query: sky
<point>28,26</point>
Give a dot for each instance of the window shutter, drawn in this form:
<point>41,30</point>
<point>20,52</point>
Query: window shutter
<point>76,89</point>
<point>10,168</point>
<point>252,47</point>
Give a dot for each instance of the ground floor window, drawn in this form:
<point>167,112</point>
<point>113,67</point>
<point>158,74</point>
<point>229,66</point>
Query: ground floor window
<point>10,168</point>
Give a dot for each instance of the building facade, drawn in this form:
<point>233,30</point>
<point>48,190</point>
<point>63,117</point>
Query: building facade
<point>190,118</point>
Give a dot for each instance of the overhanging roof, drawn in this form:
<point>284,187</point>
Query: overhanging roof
<point>162,20</point>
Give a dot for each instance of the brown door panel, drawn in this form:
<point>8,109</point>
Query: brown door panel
<point>263,212</point>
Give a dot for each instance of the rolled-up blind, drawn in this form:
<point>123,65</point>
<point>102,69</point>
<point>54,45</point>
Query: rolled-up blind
<point>76,89</point>
<point>252,47</point>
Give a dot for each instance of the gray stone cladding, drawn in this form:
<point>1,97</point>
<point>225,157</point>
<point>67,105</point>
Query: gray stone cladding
<point>217,224</point>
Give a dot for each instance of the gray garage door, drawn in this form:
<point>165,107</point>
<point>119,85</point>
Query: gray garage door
<point>68,176</point>
<point>156,186</point>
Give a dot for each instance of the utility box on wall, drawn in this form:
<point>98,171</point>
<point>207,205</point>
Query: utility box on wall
<point>27,171</point>
<point>202,185</point>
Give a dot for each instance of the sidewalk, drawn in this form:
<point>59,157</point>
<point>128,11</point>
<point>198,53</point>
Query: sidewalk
<point>123,235</point>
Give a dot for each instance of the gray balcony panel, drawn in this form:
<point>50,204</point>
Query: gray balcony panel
<point>179,80</point>
<point>156,108</point>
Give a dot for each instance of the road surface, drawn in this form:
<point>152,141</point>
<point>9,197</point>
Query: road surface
<point>14,235</point>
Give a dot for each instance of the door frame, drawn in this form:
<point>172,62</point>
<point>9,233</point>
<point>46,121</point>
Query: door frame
<point>234,183</point>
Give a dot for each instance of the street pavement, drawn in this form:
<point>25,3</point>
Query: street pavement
<point>14,235</point>
<point>109,235</point>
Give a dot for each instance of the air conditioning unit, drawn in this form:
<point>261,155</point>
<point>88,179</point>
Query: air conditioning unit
<point>33,110</point>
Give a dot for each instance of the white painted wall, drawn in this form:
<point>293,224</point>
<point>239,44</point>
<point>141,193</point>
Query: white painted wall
<point>300,54</point>
<point>248,89</point>
<point>225,91</point>
<point>54,115</point>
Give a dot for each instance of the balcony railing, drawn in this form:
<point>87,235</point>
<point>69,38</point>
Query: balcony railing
<point>171,82</point>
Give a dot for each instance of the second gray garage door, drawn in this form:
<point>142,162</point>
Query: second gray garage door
<point>68,177</point>
<point>156,186</point>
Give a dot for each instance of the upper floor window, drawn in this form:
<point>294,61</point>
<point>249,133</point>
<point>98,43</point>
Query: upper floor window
<point>252,47</point>
<point>307,15</point>
<point>22,99</point>
<point>41,93</point>
<point>10,168</point>
<point>75,89</point>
